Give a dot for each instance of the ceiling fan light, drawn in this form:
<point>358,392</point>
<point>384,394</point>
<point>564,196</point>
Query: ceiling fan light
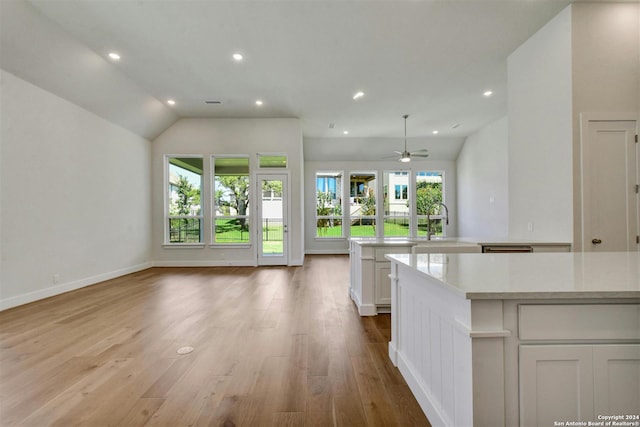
<point>405,159</point>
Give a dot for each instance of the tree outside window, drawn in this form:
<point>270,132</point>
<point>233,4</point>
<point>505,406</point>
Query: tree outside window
<point>185,184</point>
<point>231,191</point>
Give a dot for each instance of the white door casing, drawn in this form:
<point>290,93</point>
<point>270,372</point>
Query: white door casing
<point>610,204</point>
<point>272,222</point>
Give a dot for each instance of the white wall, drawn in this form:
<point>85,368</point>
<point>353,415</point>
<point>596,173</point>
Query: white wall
<point>75,199</point>
<point>606,71</point>
<point>482,181</point>
<point>315,245</point>
<point>209,137</point>
<point>540,134</point>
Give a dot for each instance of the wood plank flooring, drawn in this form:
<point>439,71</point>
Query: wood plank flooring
<point>275,346</point>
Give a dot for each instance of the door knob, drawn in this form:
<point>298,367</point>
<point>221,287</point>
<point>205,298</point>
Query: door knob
<point>596,241</point>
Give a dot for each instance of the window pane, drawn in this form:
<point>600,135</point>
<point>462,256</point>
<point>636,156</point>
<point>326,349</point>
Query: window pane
<point>185,185</point>
<point>231,197</point>
<point>396,206</point>
<point>184,230</point>
<point>429,198</point>
<point>329,204</point>
<point>231,230</point>
<point>362,204</point>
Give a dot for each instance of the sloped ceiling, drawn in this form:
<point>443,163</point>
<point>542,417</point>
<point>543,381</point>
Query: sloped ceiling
<point>430,59</point>
<point>38,50</point>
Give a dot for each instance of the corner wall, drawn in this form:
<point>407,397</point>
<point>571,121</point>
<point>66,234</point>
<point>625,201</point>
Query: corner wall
<point>482,181</point>
<point>540,134</point>
<point>75,202</point>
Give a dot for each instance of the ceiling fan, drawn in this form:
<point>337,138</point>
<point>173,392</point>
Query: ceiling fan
<point>405,156</point>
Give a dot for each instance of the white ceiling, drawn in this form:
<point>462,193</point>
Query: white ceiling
<point>429,59</point>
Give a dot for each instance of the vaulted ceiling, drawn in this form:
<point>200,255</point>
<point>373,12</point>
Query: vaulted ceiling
<point>430,59</point>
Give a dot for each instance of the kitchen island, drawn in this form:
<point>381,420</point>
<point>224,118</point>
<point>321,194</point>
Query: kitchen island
<point>518,339</point>
<point>369,286</point>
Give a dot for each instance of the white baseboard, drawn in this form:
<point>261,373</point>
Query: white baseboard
<point>327,252</point>
<point>71,286</point>
<point>204,263</point>
<point>297,262</point>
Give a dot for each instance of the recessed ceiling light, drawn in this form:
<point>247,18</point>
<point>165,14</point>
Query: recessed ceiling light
<point>258,102</point>
<point>346,132</point>
<point>488,93</point>
<point>238,56</point>
<point>358,95</point>
<point>171,102</point>
<point>114,56</point>
<point>435,132</point>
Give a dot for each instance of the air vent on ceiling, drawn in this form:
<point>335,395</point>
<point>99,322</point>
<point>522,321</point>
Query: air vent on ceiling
<point>212,102</point>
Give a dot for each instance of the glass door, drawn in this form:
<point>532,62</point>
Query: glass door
<point>272,220</point>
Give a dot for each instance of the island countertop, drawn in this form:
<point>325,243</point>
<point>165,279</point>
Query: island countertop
<point>533,275</point>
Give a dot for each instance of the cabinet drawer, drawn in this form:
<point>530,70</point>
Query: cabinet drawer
<point>579,322</point>
<point>381,252</point>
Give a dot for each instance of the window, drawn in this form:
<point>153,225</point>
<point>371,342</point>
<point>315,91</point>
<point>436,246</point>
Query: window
<point>401,192</point>
<point>329,204</point>
<point>231,200</point>
<point>396,207</point>
<point>362,204</point>
<point>429,199</point>
<point>184,219</point>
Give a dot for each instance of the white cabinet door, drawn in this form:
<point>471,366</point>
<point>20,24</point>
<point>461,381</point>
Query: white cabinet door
<point>556,384</point>
<point>383,283</point>
<point>616,370</point>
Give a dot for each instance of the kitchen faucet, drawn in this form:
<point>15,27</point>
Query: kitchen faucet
<point>446,216</point>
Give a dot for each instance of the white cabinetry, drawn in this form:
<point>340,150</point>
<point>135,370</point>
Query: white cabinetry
<point>616,379</point>
<point>488,347</point>
<point>556,384</point>
<point>577,382</point>
<point>370,287</point>
<point>383,285</point>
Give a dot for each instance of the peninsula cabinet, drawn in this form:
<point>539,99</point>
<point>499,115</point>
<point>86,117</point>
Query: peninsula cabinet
<point>369,285</point>
<point>518,339</point>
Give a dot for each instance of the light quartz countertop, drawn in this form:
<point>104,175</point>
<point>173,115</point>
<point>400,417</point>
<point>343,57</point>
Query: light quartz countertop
<point>531,275</point>
<point>483,241</point>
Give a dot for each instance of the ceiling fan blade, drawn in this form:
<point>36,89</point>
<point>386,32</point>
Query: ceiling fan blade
<point>422,150</point>
<point>398,152</point>
<point>419,155</point>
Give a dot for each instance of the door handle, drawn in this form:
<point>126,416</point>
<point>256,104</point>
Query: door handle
<point>284,228</point>
<point>596,241</point>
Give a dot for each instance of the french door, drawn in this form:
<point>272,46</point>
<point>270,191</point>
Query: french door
<point>272,229</point>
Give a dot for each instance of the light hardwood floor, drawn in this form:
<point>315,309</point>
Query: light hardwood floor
<point>276,346</point>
